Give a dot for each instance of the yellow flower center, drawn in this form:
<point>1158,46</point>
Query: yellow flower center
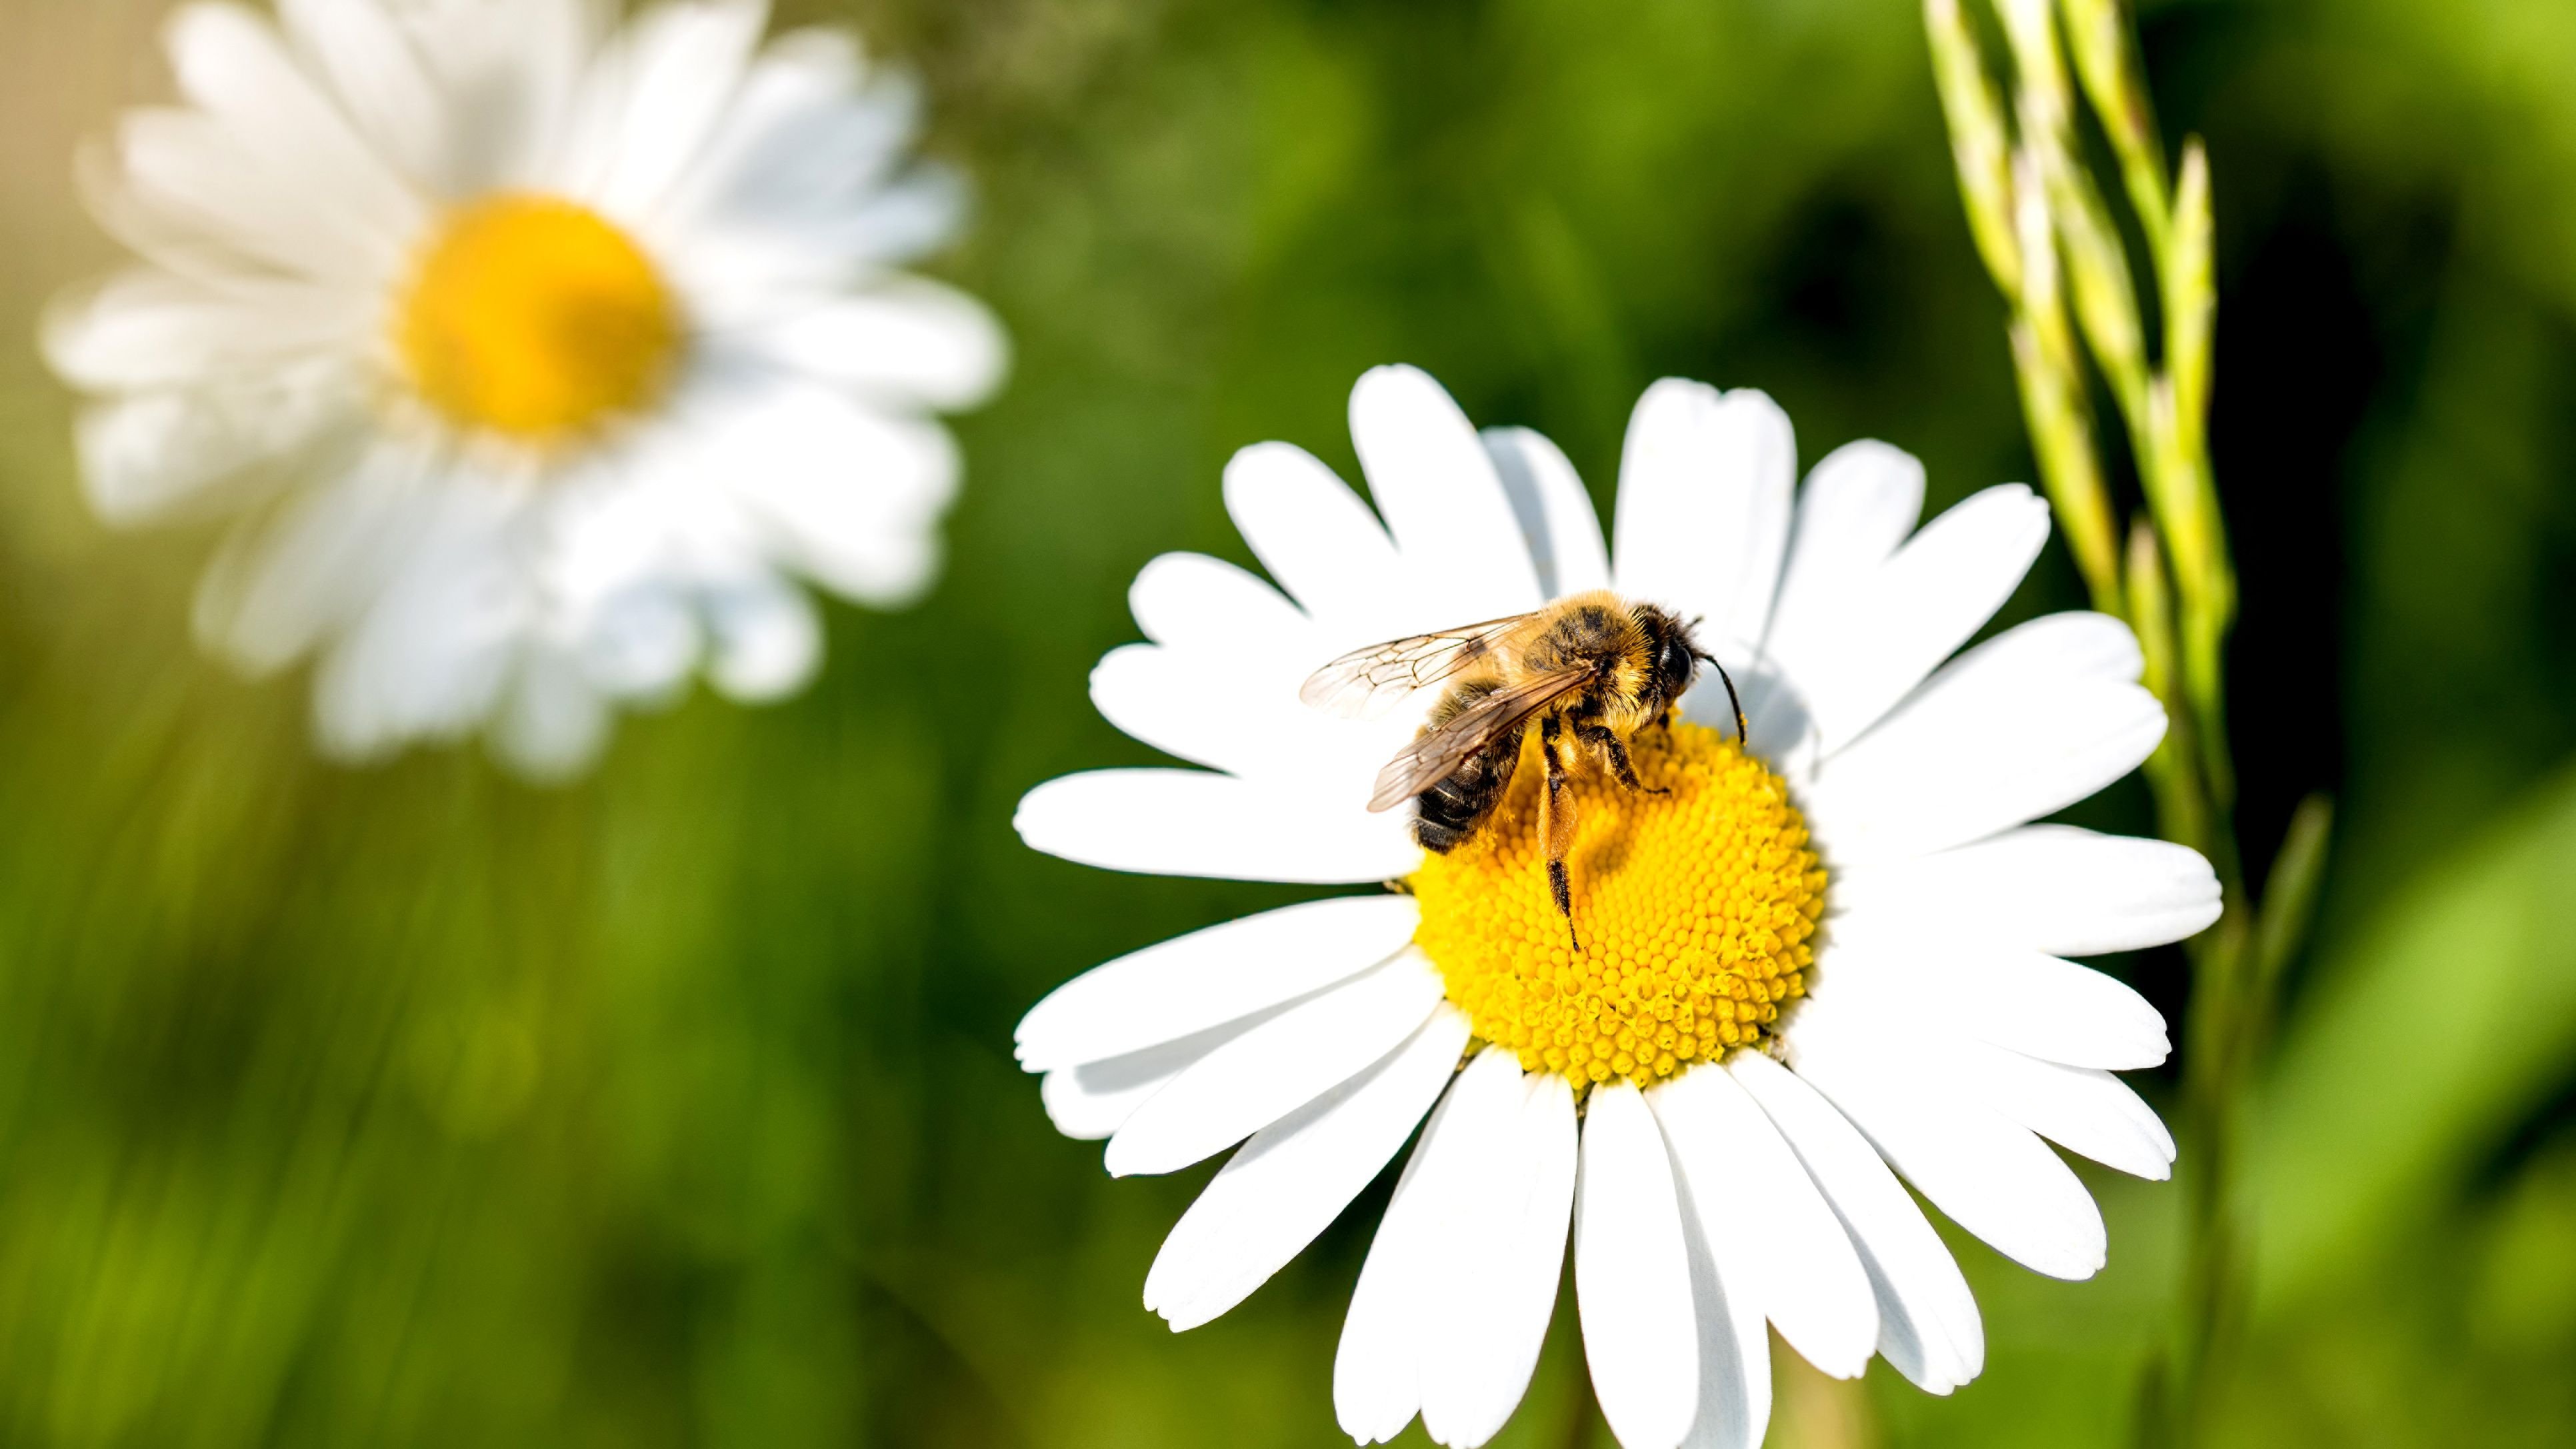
<point>534,317</point>
<point>1695,907</point>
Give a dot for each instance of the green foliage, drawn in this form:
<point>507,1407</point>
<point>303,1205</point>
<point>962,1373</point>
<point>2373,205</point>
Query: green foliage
<point>2446,1022</point>
<point>413,1106</point>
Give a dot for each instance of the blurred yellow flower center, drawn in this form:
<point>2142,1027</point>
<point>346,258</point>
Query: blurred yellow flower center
<point>1695,907</point>
<point>534,317</point>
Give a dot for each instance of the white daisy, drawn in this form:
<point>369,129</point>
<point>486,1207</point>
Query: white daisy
<point>538,351</point>
<point>1761,1023</point>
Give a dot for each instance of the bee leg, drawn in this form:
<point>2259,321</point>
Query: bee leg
<point>1615,750</point>
<point>1556,823</point>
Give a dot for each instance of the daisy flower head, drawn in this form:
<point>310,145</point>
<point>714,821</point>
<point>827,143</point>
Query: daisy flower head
<point>536,355</point>
<point>1810,961</point>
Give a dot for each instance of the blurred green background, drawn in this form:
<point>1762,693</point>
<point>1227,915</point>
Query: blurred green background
<point>415,1106</point>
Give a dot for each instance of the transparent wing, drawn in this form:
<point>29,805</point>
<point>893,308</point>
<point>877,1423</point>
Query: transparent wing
<point>1365,683</point>
<point>1436,754</point>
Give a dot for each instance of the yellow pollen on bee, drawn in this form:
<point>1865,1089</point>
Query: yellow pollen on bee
<point>535,317</point>
<point>1696,908</point>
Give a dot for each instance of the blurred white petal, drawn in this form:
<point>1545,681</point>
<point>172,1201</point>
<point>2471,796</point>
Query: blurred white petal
<point>653,95</point>
<point>376,76</point>
<point>233,65</point>
<point>148,455</point>
<point>433,645</point>
<point>768,642</point>
<point>908,343</point>
<point>554,720</point>
<point>847,493</point>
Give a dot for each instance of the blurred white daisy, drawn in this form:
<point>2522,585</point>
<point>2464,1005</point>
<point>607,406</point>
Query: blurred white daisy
<point>538,351</point>
<point>1761,1023</point>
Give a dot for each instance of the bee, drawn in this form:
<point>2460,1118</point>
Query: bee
<point>1591,669</point>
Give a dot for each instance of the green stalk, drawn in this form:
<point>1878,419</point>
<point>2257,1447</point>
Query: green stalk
<point>2099,35</point>
<point>2016,238</point>
<point>2048,237</point>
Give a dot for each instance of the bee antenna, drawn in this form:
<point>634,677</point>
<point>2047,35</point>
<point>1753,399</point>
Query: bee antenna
<point>1729,681</point>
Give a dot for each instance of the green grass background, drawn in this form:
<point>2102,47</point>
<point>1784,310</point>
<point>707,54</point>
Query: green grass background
<point>413,1106</point>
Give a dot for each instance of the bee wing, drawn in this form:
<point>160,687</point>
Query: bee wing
<point>1436,754</point>
<point>1365,683</point>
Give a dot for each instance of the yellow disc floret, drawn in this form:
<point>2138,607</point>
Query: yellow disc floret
<point>534,317</point>
<point>1695,907</point>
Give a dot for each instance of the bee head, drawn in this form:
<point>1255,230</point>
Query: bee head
<point>1676,656</point>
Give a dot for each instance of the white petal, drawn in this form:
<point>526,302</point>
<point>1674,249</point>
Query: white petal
<point>1189,822</point>
<point>149,328</point>
<point>1992,1177</point>
<point>1857,507</point>
<point>846,492</point>
<point>807,128</point>
<point>161,227</point>
<point>186,192</point>
<point>376,77</point>
<point>281,583</point>
<point>1703,519</point>
<point>1193,982</point>
<point>509,73</point>
<point>1295,1176</point>
<point>2028,722</point>
<point>1734,1406</point>
<point>767,641</point>
<point>1276,1068</point>
<point>1161,697</point>
<point>1848,666</point>
<point>1505,1246</point>
<point>754,258</point>
<point>553,721</point>
<point>1238,711</point>
<point>1398,1301</point>
<point>2034,1004</point>
<point>1443,1201</point>
<point>1632,1277</point>
<point>654,96</point>
<point>1442,502</point>
<point>1494,1172</point>
<point>1095,1099</point>
<point>1213,711</point>
<point>432,650</point>
<point>641,643</point>
<point>1555,513</point>
<point>1314,535</point>
<point>2052,888</point>
<point>906,342</point>
<point>1190,601</point>
<point>157,454</point>
<point>797,178</point>
<point>1854,512</point>
<point>1928,1326</point>
<point>1798,1266</point>
<point>231,63</point>
<point>2082,1109</point>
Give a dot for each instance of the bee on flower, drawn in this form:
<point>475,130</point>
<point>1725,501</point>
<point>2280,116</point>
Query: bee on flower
<point>537,356</point>
<point>1816,942</point>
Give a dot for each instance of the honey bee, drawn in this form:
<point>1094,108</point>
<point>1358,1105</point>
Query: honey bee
<point>1592,669</point>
